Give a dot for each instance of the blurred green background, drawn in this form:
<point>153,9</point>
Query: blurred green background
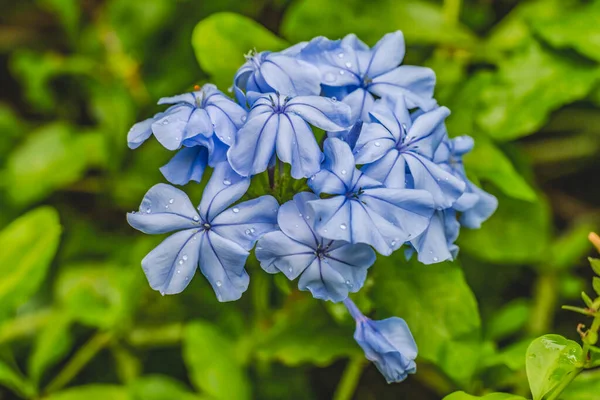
<point>77,318</point>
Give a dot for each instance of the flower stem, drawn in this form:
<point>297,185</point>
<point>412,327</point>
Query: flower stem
<point>544,303</point>
<point>350,378</point>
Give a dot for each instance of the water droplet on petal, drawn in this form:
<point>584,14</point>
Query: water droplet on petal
<point>297,225</point>
<point>300,214</point>
<point>377,144</point>
<point>171,201</point>
<point>180,262</point>
<point>195,237</point>
<point>165,121</point>
<point>348,64</point>
<point>166,206</point>
<point>219,283</point>
<point>227,182</point>
<point>162,293</point>
<point>196,218</point>
<point>430,252</point>
<point>349,283</point>
<point>236,210</point>
<point>230,89</point>
<point>329,77</point>
<point>244,118</point>
<point>325,230</point>
<point>187,278</point>
<point>247,231</point>
<point>343,172</point>
<point>342,72</point>
<point>228,137</point>
<point>435,259</point>
<point>185,257</point>
<point>393,243</point>
<point>252,230</point>
<point>290,269</point>
<point>308,217</point>
<point>178,271</point>
<point>341,55</point>
<point>343,226</point>
<point>334,99</point>
<point>148,211</point>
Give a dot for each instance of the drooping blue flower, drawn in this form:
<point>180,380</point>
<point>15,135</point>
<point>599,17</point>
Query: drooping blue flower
<point>362,210</point>
<point>283,72</point>
<point>205,120</point>
<point>330,269</point>
<point>436,243</point>
<point>388,343</point>
<point>353,72</point>
<point>280,124</point>
<point>475,205</point>
<point>214,237</point>
<point>394,143</point>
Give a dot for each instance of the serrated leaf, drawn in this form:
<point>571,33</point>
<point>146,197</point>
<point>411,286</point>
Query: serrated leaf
<point>490,396</point>
<point>221,40</point>
<point>439,307</point>
<point>51,344</point>
<point>212,364</point>
<point>28,246</point>
<point>550,358</point>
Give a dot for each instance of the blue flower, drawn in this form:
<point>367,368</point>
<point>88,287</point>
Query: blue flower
<point>388,343</point>
<point>214,237</point>
<point>362,210</point>
<point>475,204</point>
<point>267,72</point>
<point>277,123</point>
<point>396,142</point>
<point>205,118</point>
<point>330,269</point>
<point>352,71</point>
<point>436,244</point>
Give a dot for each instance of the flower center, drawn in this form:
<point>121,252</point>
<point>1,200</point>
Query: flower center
<point>322,252</point>
<point>206,226</point>
<point>366,81</point>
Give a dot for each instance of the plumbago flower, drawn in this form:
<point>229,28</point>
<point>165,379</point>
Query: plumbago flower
<point>362,210</point>
<point>330,269</point>
<point>205,122</point>
<point>278,123</point>
<point>410,191</point>
<point>214,237</point>
<point>353,72</point>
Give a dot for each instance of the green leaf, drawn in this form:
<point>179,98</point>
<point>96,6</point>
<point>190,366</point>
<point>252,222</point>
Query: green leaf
<point>508,320</point>
<point>490,396</point>
<point>595,263</point>
<point>68,12</point>
<point>51,344</point>
<point>96,294</point>
<point>13,380</point>
<point>158,387</point>
<point>221,40</point>
<point>439,307</point>
<point>212,363</point>
<point>550,358</point>
<point>52,157</point>
<point>489,163</point>
<point>293,341</point>
<point>585,387</point>
<point>596,284</point>
<point>571,247</point>
<point>527,87</point>
<point>525,228</point>
<point>28,246</point>
<point>92,392</point>
<point>421,21</point>
<point>513,356</point>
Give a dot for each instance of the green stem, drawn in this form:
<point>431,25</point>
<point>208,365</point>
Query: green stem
<point>544,303</point>
<point>563,385</point>
<point>452,11</point>
<point>85,354</point>
<point>352,373</point>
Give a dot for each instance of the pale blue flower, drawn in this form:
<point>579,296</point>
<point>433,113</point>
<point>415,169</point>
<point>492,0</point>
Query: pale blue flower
<point>395,143</point>
<point>388,343</point>
<point>436,243</point>
<point>280,124</point>
<point>353,72</point>
<point>330,269</point>
<point>361,209</point>
<point>214,237</point>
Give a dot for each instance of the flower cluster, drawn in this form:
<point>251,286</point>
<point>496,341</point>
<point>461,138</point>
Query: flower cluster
<point>385,176</point>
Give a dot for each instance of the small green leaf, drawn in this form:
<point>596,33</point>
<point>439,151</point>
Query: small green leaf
<point>13,380</point>
<point>490,396</point>
<point>28,246</point>
<point>52,343</point>
<point>567,250</point>
<point>596,284</point>
<point>551,358</point>
<point>212,363</point>
<point>595,263</point>
<point>586,299</point>
<point>221,40</point>
<point>92,392</point>
<point>508,320</point>
<point>158,387</point>
<point>513,356</point>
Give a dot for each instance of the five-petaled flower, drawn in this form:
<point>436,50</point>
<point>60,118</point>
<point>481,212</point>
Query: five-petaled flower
<point>362,210</point>
<point>214,237</point>
<point>330,269</point>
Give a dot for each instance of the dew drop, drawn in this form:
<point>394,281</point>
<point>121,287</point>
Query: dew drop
<point>349,283</point>
<point>244,118</point>
<point>297,225</point>
<point>342,72</point>
<point>196,218</point>
<point>290,270</point>
<point>377,144</point>
<point>148,211</point>
<point>343,227</point>
<point>185,257</point>
<point>178,271</point>
<point>343,172</point>
<point>435,259</point>
<point>227,182</point>
<point>187,278</point>
<point>325,230</point>
<point>393,243</point>
<point>446,179</point>
<point>329,77</point>
<point>308,217</point>
<point>219,283</point>
<point>165,122</point>
<point>348,64</point>
<point>166,206</point>
<point>334,99</point>
<point>341,55</point>
<point>247,231</point>
<point>430,252</point>
<point>236,210</point>
<point>300,214</point>
<point>228,137</point>
<point>252,230</point>
<point>180,262</point>
<point>230,89</point>
<point>171,201</point>
<point>162,293</point>
<point>195,237</point>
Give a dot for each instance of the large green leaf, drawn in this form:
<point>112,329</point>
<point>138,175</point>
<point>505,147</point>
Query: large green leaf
<point>212,364</point>
<point>28,246</point>
<point>52,342</point>
<point>517,233</point>
<point>158,387</point>
<point>585,387</point>
<point>422,22</point>
<point>303,332</point>
<point>439,307</point>
<point>221,40</point>
<point>490,396</point>
<point>549,360</point>
<point>92,392</point>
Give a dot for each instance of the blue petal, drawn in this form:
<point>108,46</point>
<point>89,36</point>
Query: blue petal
<point>433,245</point>
<point>339,160</point>
<point>164,209</point>
<point>226,117</point>
<point>393,114</point>
<point>279,253</point>
<point>170,130</point>
<point>224,188</point>
<point>172,264</point>
<point>415,83</point>
<point>140,132</point>
<point>332,59</point>
<point>240,82</point>
<point>323,282</point>
<point>248,221</point>
<point>373,143</point>
<point>326,182</point>
<point>290,76</point>
<point>324,113</point>
<point>188,98</point>
<point>427,132</point>
<point>222,263</point>
<point>296,145</point>
<point>360,102</point>
<point>387,54</point>
<point>187,165</point>
<point>398,335</point>
<point>296,220</point>
<point>389,170</point>
<point>255,145</point>
<point>481,211</point>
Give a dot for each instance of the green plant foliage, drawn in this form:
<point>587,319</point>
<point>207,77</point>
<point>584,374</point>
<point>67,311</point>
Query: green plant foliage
<point>491,396</point>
